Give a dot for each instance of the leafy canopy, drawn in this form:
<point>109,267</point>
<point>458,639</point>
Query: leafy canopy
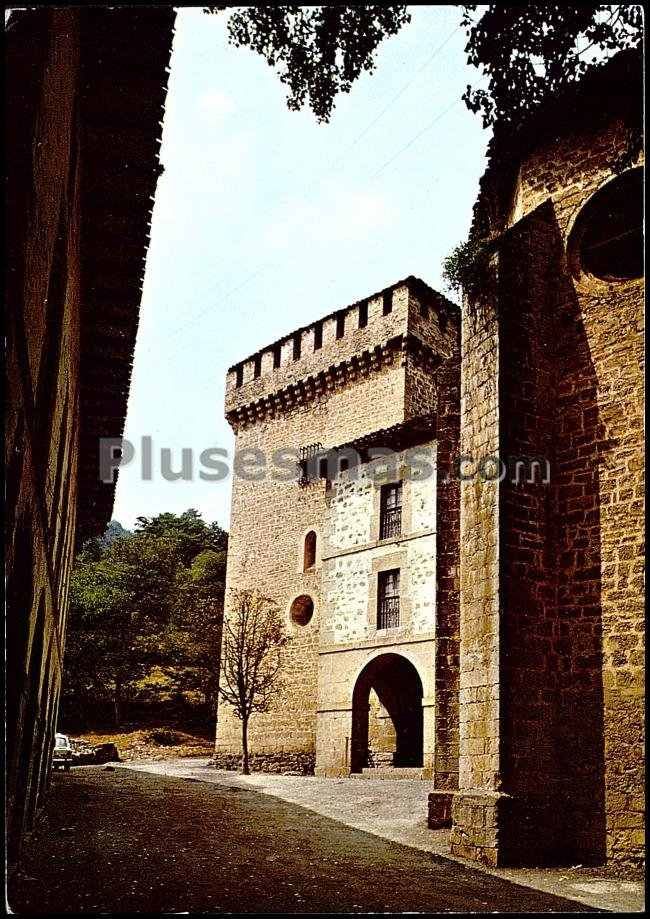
<point>141,602</point>
<point>528,52</point>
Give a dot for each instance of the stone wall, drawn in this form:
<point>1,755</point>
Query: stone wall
<point>551,680</point>
<point>353,557</point>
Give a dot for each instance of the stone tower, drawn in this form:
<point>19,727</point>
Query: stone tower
<point>380,373</point>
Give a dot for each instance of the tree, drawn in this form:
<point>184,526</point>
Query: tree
<point>189,533</point>
<point>318,51</point>
<point>193,647</point>
<point>253,638</point>
<point>142,604</point>
<point>529,52</point>
<point>120,602</point>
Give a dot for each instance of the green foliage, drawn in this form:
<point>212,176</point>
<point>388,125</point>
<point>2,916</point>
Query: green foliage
<point>531,52</point>
<point>528,52</point>
<point>318,51</point>
<point>461,268</point>
<point>149,602</point>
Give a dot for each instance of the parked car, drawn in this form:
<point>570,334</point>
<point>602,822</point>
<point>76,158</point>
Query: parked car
<point>62,755</point>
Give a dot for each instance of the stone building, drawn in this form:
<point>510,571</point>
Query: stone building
<point>551,601</point>
<point>85,92</point>
<point>513,677</point>
<point>352,555</point>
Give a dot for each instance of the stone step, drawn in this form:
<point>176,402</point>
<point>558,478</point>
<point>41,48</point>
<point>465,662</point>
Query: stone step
<point>388,772</point>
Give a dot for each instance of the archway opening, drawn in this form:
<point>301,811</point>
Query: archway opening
<point>387,718</point>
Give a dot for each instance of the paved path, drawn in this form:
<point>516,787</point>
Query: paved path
<point>124,840</point>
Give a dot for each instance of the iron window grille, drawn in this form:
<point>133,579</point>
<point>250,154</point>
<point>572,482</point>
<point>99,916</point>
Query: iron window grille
<point>388,599</point>
<point>307,455</point>
<point>390,523</point>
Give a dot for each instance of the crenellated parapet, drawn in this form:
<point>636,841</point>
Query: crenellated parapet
<point>401,349</point>
<point>406,319</point>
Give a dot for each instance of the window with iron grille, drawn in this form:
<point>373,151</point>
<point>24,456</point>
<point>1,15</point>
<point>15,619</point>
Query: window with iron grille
<point>390,522</point>
<point>388,599</point>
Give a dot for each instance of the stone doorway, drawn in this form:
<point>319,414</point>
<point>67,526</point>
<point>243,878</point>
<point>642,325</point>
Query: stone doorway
<point>387,718</point>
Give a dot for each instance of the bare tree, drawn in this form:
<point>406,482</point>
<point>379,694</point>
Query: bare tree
<point>253,637</point>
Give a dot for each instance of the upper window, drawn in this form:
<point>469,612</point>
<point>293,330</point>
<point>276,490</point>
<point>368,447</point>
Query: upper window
<point>387,302</point>
<point>318,336</point>
<point>309,556</point>
<point>388,599</point>
<point>390,523</point>
<point>607,240</point>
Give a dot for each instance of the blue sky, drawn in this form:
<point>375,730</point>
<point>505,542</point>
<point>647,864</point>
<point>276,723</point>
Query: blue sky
<point>264,220</point>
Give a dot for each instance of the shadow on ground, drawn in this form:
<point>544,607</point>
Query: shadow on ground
<point>116,840</point>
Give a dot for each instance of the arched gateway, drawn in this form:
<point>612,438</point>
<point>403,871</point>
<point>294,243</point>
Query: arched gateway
<point>387,720</point>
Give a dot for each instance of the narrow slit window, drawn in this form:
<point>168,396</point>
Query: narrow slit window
<point>257,369</point>
<point>277,356</point>
<point>297,347</point>
<point>340,325</point>
<point>239,375</point>
<point>309,552</point>
<point>318,336</point>
<point>387,298</point>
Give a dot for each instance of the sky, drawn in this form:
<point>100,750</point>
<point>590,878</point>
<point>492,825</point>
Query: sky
<point>265,220</point>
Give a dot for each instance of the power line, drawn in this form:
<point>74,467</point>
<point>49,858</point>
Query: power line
<point>414,139</point>
<point>396,96</point>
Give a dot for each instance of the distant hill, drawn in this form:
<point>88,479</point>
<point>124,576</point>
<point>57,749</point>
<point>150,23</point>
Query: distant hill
<point>113,531</point>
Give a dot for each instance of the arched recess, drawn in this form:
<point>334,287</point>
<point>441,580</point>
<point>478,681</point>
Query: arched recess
<point>397,686</point>
<point>309,551</point>
<point>606,241</point>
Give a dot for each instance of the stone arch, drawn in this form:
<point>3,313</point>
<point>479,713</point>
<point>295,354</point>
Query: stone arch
<point>605,235</point>
<point>395,683</point>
